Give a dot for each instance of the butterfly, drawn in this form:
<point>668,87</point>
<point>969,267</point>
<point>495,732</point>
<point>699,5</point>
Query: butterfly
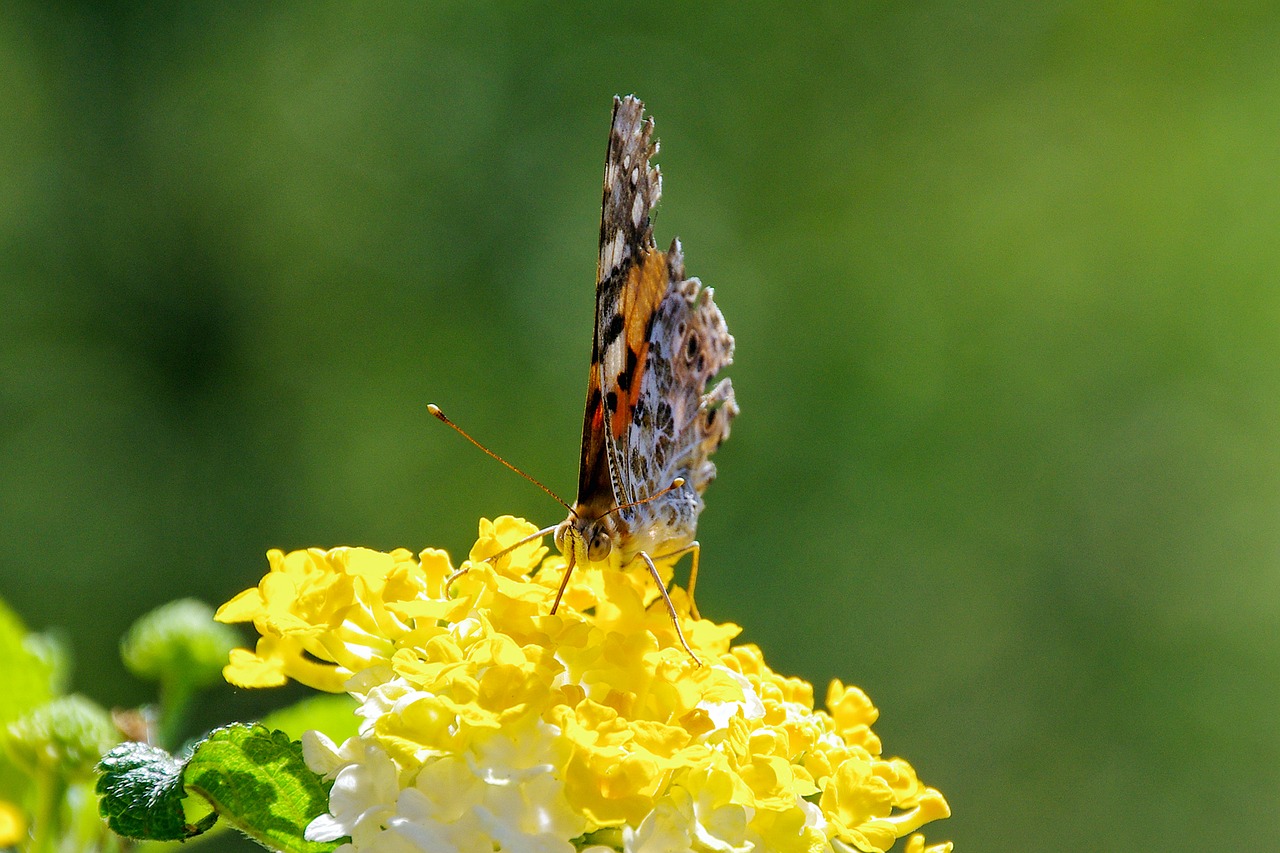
<point>650,425</point>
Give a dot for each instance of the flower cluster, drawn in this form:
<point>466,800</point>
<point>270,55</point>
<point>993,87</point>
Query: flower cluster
<point>488,723</point>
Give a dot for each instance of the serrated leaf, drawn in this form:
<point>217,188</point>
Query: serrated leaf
<point>141,790</point>
<point>256,779</point>
<point>252,777</point>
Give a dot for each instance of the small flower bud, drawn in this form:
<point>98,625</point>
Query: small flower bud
<point>68,736</point>
<point>178,641</point>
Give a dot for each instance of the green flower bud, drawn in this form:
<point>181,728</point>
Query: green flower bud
<point>178,641</point>
<point>67,736</point>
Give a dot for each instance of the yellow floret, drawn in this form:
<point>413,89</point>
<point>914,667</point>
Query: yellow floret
<point>631,732</point>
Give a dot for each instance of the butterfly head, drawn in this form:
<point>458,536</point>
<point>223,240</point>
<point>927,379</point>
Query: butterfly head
<point>586,539</point>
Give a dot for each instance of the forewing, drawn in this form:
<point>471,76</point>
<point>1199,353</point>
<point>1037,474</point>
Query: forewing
<point>631,281</point>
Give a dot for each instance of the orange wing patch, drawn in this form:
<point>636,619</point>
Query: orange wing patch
<point>624,360</point>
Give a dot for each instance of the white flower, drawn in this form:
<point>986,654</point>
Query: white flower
<point>364,790</point>
<point>502,789</point>
<point>666,829</point>
<point>719,824</point>
<point>751,706</point>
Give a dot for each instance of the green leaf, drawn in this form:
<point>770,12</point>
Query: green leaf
<point>256,778</point>
<point>252,777</point>
<point>28,674</point>
<point>30,666</point>
<point>333,714</point>
<point>142,793</point>
<point>610,836</point>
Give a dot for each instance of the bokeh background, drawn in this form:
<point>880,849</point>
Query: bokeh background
<point>1003,278</point>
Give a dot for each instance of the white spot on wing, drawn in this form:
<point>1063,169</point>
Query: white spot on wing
<point>611,361</point>
<point>637,210</point>
<point>611,254</point>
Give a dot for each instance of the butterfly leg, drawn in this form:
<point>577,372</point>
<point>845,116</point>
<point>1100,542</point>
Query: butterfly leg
<point>568,570</point>
<point>448,582</point>
<point>671,608</point>
<point>693,571</point>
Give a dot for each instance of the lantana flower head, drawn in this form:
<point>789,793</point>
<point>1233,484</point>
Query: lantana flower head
<point>487,723</point>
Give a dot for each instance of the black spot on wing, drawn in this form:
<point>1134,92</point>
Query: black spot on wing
<point>613,330</point>
<point>628,374</point>
<point>662,418</point>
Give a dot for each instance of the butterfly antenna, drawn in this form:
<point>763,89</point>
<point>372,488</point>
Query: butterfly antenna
<point>675,484</point>
<point>435,410</point>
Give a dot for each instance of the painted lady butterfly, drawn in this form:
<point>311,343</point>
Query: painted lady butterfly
<point>650,425</point>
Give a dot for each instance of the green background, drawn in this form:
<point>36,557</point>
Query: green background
<point>1003,279</point>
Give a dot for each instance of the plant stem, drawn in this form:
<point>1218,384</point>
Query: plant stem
<point>50,789</point>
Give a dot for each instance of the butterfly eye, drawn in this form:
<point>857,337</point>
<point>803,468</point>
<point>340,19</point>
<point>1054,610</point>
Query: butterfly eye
<point>599,545</point>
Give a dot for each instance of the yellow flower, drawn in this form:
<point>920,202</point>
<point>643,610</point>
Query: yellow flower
<point>13,825</point>
<point>488,720</point>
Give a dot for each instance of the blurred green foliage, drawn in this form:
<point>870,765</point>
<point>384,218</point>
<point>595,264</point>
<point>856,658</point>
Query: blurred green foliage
<point>1003,277</point>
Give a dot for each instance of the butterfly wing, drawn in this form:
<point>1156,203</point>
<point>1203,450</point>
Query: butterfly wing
<point>631,281</point>
<point>659,339</point>
<point>676,424</point>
